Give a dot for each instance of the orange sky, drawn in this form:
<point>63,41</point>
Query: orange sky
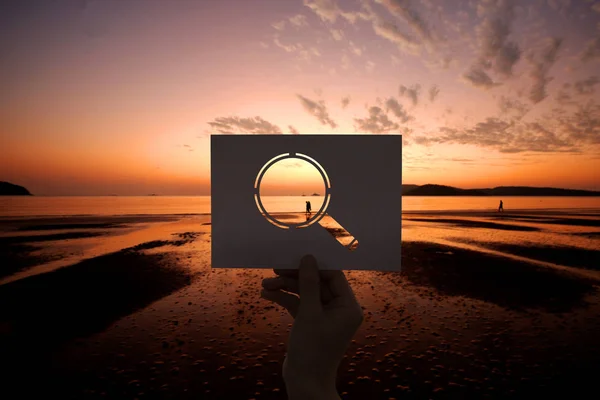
<point>120,97</point>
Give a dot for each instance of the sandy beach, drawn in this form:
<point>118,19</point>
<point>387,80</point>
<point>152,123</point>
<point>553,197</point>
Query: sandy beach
<point>486,305</point>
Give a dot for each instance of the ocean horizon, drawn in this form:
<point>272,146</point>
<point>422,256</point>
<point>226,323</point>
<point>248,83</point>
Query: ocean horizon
<point>35,206</point>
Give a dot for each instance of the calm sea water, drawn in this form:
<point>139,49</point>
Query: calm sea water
<point>116,205</point>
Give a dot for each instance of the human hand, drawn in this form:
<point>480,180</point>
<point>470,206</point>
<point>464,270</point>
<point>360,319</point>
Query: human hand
<point>326,317</point>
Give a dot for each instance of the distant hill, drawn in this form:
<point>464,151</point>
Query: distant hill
<point>9,189</point>
<point>407,188</point>
<point>535,191</point>
<point>441,190</point>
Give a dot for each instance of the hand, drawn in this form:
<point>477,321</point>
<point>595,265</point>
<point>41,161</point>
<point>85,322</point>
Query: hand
<point>326,317</point>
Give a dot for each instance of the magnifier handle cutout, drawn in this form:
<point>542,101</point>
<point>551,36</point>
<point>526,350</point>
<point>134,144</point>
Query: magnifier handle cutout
<point>340,234</point>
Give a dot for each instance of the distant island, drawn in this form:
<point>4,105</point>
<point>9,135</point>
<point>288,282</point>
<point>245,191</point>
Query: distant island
<point>441,190</point>
<point>9,189</point>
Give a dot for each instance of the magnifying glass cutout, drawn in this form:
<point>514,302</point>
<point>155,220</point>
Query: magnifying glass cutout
<point>287,221</point>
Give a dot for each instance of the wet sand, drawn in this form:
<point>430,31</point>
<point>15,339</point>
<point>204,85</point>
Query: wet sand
<point>135,311</point>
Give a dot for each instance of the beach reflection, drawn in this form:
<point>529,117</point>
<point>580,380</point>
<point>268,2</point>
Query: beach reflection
<point>134,299</point>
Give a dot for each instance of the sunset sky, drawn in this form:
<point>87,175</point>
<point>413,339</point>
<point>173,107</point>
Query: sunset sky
<point>101,97</point>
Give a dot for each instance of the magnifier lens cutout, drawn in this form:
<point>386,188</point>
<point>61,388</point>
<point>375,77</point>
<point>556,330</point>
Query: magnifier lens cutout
<point>276,174</point>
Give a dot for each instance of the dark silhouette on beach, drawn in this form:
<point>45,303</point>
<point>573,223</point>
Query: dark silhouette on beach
<point>308,208</point>
<point>501,206</point>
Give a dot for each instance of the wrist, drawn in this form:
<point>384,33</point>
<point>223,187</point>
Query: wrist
<point>311,389</point>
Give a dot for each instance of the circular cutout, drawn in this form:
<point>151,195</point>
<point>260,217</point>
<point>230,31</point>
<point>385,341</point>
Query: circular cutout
<point>292,190</point>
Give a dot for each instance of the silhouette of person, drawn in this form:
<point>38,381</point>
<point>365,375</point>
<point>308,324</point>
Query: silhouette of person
<point>501,206</point>
<point>326,317</point>
<point>308,207</point>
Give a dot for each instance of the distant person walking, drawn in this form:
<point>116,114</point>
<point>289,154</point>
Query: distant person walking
<point>501,206</point>
<point>308,208</point>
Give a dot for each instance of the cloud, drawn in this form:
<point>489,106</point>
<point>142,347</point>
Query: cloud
<point>479,78</point>
<point>287,47</point>
<point>279,25</point>
<point>492,132</point>
<point>187,145</point>
<point>540,68</point>
<point>586,86</point>
<point>336,34</point>
<point>329,11</point>
<point>293,130</point>
<point>410,92</point>
<point>298,21</point>
<point>583,126</point>
<point>564,98</point>
<point>433,93</point>
<point>441,62</point>
<point>592,50</point>
<point>318,110</point>
<point>308,54</point>
<point>512,106</point>
<point>496,52</point>
<point>558,131</point>
<point>355,49</point>
<point>243,125</point>
<point>396,108</point>
<point>507,57</point>
<point>376,122</point>
<point>345,101</point>
<point>391,32</point>
<point>403,9</point>
<point>302,53</point>
<point>535,137</point>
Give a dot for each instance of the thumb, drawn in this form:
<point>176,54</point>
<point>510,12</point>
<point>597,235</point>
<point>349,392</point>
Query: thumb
<point>309,285</point>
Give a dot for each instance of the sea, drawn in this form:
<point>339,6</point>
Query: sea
<point>40,206</point>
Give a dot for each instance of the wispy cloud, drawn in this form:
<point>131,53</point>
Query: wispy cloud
<point>541,64</point>
<point>329,11</point>
<point>411,92</point>
<point>399,112</point>
<point>376,122</point>
<point>389,31</point>
<point>434,91</point>
<point>496,52</point>
<point>345,101</point>
<point>586,86</point>
<point>318,110</point>
<point>298,20</point>
<point>405,10</point>
<point>479,78</point>
<point>255,125</point>
<point>556,132</point>
<point>511,106</point>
